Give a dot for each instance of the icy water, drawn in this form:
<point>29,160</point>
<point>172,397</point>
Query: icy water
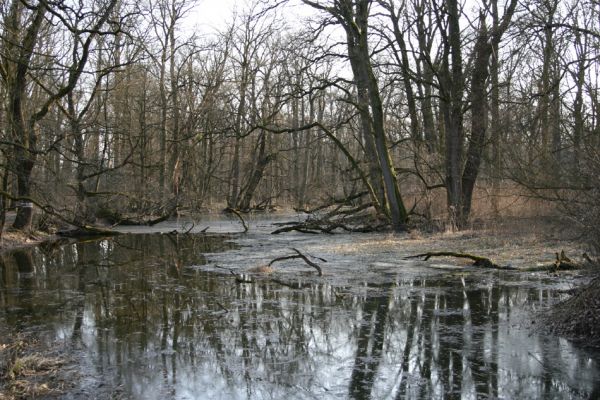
<point>163,316</point>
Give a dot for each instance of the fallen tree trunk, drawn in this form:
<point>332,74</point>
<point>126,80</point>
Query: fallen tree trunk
<point>478,261</point>
<point>149,218</point>
<point>87,231</point>
<point>562,263</point>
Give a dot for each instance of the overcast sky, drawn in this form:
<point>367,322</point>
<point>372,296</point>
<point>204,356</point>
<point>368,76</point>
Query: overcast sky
<point>209,15</point>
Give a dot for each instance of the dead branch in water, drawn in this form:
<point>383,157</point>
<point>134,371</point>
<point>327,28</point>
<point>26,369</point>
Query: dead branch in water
<point>237,214</point>
<point>340,214</point>
<point>148,217</point>
<point>301,256</point>
<point>334,202</point>
<point>562,263</point>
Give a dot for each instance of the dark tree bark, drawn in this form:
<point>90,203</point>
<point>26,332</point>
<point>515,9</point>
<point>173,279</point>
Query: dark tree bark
<point>484,46</point>
<point>17,63</point>
<point>452,91</point>
<point>353,17</point>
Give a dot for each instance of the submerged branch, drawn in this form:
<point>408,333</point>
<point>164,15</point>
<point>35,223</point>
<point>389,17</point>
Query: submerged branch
<point>301,256</point>
<point>237,214</point>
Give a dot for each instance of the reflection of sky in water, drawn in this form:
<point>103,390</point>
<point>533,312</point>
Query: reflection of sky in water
<point>156,318</point>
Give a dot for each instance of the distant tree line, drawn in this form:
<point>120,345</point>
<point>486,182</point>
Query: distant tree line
<point>113,108</point>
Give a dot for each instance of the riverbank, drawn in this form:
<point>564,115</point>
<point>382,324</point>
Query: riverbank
<point>12,240</point>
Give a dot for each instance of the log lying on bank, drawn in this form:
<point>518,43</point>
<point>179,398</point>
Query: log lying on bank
<point>562,262</point>
<point>478,261</point>
<point>86,231</point>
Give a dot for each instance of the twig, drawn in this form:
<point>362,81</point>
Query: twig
<point>192,226</point>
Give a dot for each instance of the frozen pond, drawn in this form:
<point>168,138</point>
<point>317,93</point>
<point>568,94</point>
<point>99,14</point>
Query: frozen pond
<point>164,316</point>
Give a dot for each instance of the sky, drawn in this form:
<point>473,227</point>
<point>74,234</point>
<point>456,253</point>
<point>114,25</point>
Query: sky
<point>210,15</point>
<point>213,14</point>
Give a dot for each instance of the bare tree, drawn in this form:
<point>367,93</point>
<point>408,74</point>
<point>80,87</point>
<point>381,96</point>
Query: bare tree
<point>353,16</point>
<point>18,48</point>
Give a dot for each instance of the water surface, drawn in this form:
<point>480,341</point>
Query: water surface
<point>158,316</point>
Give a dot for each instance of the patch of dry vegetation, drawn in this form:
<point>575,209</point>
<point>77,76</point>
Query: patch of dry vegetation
<point>27,370</point>
<point>578,318</point>
<point>12,239</point>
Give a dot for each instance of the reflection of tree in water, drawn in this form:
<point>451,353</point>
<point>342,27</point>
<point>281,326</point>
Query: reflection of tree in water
<point>159,328</point>
<point>369,345</point>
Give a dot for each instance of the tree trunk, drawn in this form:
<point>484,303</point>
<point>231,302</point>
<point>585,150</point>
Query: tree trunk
<point>263,161</point>
<point>415,129</point>
<point>496,126</point>
<point>479,119</point>
<point>24,168</point>
<point>19,56</point>
<point>452,108</point>
<point>366,83</point>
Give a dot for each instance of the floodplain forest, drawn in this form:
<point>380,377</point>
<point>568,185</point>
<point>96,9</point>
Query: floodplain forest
<point>411,111</point>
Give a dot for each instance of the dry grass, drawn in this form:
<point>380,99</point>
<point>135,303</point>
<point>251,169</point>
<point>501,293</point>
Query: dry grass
<point>261,269</point>
<point>34,365</point>
<point>15,239</point>
<point>508,201</point>
<point>26,371</point>
<point>578,317</point>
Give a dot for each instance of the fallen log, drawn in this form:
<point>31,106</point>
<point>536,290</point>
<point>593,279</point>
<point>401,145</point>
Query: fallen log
<point>562,262</point>
<point>329,226</point>
<point>86,231</point>
<point>339,215</point>
<point>333,202</point>
<point>478,261</point>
